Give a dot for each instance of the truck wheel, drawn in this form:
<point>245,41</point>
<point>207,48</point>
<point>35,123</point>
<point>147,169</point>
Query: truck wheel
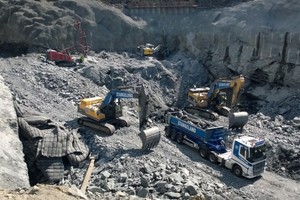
<point>179,138</point>
<point>173,135</point>
<point>237,170</point>
<point>212,158</point>
<point>203,153</point>
<point>167,131</point>
<point>213,117</point>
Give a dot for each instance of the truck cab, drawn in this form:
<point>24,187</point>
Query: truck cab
<point>247,156</point>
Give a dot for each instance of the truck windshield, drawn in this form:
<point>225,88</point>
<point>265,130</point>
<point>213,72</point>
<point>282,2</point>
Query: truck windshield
<point>257,153</point>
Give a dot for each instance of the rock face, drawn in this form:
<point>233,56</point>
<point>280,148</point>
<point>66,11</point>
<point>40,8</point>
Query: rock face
<point>13,169</point>
<point>256,38</point>
<point>50,24</point>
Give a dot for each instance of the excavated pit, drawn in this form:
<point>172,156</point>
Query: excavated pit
<point>64,89</point>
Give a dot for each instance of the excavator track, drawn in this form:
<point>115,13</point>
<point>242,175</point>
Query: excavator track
<point>205,113</point>
<point>119,122</point>
<point>100,126</point>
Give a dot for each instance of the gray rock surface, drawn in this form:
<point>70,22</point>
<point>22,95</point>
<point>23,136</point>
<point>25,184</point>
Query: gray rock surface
<point>50,24</point>
<point>262,45</point>
<point>13,169</point>
<point>168,170</point>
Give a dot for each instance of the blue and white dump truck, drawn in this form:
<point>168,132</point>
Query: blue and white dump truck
<point>245,158</point>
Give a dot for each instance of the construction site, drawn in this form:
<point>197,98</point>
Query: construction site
<point>158,99</point>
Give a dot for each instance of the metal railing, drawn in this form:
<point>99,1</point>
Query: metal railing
<point>173,3</point>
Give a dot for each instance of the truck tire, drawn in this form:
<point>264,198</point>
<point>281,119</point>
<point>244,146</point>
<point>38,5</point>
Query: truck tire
<point>173,135</point>
<point>237,170</point>
<point>203,153</point>
<point>179,138</point>
<point>167,131</point>
<point>212,158</point>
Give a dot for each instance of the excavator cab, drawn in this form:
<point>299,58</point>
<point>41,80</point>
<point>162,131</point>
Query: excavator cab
<point>160,52</point>
<point>145,50</point>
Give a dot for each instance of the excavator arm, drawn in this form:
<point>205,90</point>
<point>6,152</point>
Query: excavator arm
<point>123,92</point>
<point>117,94</point>
<point>149,135</point>
<point>232,87</point>
<point>237,87</point>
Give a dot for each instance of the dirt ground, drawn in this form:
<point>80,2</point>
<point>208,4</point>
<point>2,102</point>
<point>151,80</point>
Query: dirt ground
<point>43,192</point>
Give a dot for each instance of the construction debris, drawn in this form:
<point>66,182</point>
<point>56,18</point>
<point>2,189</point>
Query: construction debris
<point>87,175</point>
<point>49,148</point>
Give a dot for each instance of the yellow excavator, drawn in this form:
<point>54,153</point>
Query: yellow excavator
<point>105,114</point>
<point>220,98</point>
<point>146,50</point>
<point>160,52</point>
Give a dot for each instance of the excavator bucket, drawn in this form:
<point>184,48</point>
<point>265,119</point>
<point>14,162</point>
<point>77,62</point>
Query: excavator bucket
<point>150,138</point>
<point>149,134</point>
<point>237,120</point>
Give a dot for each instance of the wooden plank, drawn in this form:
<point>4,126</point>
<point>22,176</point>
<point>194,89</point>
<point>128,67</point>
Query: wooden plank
<point>87,175</point>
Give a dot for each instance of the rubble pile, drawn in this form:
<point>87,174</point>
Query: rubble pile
<point>288,108</point>
<point>283,155</point>
<point>123,173</point>
<point>122,169</point>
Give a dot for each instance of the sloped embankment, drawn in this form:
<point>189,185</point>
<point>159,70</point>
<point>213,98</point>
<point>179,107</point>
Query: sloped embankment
<point>13,169</point>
